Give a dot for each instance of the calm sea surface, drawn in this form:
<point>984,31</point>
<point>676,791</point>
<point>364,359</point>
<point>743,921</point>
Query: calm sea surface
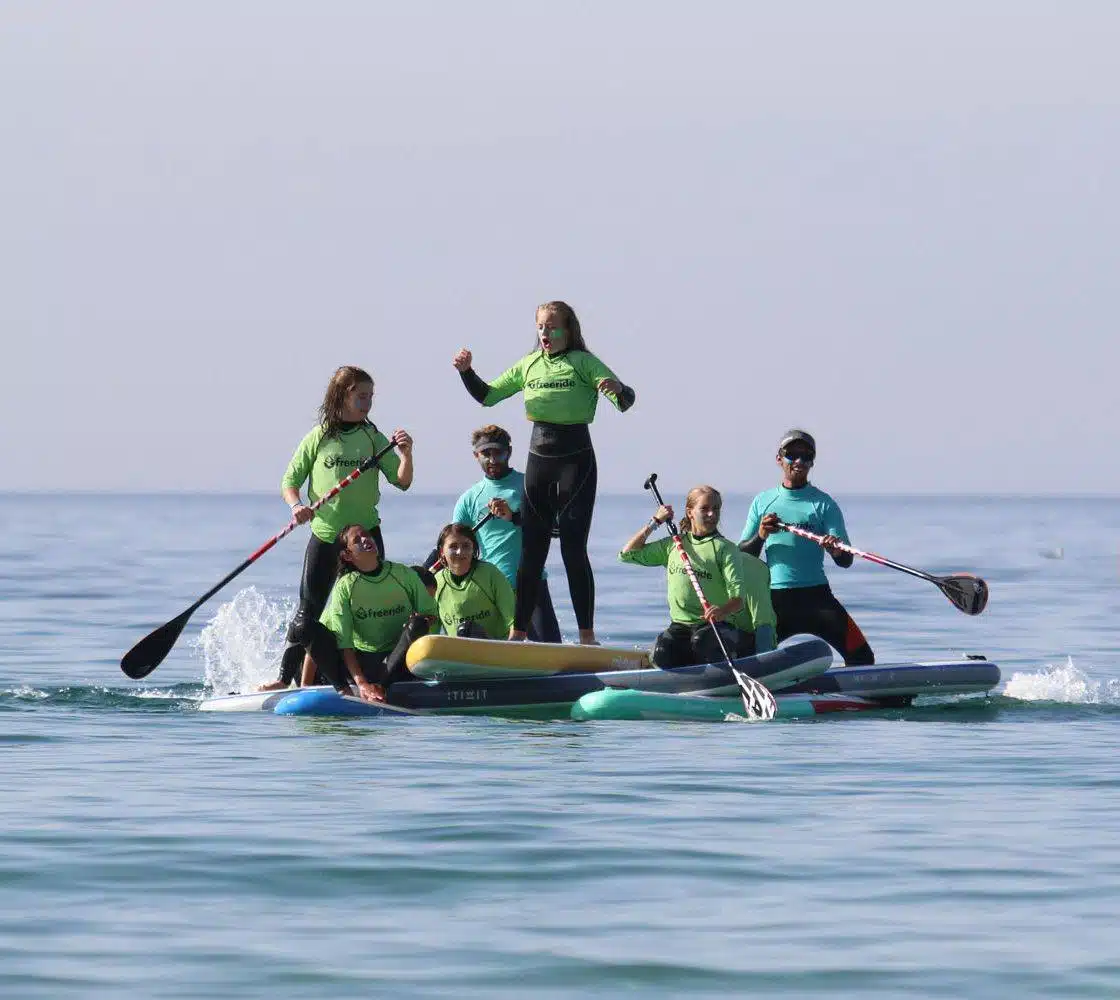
<point>966,849</point>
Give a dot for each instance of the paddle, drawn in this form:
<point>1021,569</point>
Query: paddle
<point>438,564</point>
<point>150,651</point>
<point>758,702</point>
<point>967,592</point>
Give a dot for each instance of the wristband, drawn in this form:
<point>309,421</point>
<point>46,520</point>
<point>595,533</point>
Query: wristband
<point>293,506</point>
<point>653,524</point>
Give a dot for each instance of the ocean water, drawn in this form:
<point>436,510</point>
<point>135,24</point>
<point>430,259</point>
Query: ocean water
<point>968,848</point>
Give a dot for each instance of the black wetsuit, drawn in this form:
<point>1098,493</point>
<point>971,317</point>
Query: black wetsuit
<point>817,611</point>
<point>560,483</point>
<point>377,668</point>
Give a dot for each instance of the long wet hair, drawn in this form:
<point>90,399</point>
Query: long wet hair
<point>571,324</point>
<point>334,401</point>
<point>455,529</point>
<point>695,495</point>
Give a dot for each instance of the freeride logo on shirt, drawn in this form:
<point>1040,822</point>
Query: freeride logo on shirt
<point>450,620</point>
<point>363,613</point>
<point>334,461</point>
<point>542,383</point>
<point>703,574</point>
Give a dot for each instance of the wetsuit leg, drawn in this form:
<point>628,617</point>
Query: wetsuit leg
<point>673,647</point>
<point>543,626</point>
<point>816,611</point>
<point>320,566</point>
<point>538,511</point>
<point>560,490</point>
<point>706,647</point>
<point>576,495</point>
<point>330,668</point>
<point>323,649</point>
<point>395,668</point>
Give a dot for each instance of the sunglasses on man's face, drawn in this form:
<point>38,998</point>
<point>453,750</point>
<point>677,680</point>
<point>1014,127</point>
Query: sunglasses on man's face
<point>492,455</point>
<point>806,457</point>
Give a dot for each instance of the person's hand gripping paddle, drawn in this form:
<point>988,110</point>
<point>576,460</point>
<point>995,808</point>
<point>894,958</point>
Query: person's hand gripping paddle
<point>758,701</point>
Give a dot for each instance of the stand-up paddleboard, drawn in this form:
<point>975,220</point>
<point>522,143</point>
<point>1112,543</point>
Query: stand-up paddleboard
<point>254,701</point>
<point>654,706</point>
<point>449,658</point>
<point>902,682</point>
<point>552,695</point>
<point>328,702</point>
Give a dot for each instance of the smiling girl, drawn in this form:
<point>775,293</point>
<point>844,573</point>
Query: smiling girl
<point>376,609</point>
<point>736,585</point>
<point>474,597</point>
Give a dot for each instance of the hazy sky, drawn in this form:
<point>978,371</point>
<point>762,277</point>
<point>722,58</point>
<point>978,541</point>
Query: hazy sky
<point>892,223</point>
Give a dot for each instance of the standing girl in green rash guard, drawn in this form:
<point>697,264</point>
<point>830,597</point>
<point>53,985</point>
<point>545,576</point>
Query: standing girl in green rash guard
<point>474,598</point>
<point>561,380</point>
<point>339,443</point>
<point>376,609</point>
<point>736,585</point>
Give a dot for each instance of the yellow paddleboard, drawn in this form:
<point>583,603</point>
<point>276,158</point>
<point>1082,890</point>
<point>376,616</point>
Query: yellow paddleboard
<point>449,658</point>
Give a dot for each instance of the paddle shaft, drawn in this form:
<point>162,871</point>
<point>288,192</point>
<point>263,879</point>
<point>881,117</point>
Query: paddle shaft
<point>870,556</point>
<point>368,464</point>
<point>438,564</point>
<point>746,684</point>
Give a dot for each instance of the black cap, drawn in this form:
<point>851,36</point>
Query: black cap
<point>797,434</point>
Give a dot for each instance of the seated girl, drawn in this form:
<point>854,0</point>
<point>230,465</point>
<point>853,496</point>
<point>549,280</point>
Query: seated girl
<point>374,612</point>
<point>474,598</point>
<point>736,585</point>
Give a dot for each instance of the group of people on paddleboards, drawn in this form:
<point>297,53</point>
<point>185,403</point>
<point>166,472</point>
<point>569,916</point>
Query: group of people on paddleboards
<point>359,612</point>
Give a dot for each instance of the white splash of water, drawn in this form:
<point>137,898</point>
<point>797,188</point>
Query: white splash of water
<point>242,643</point>
<point>25,691</point>
<point>1064,683</point>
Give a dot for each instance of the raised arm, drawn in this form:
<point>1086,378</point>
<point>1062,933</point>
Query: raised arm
<point>509,382</point>
<point>641,537</point>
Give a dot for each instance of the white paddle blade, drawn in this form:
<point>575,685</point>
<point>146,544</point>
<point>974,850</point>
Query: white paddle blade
<point>758,702</point>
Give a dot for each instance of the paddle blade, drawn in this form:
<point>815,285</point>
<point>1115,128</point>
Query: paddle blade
<point>758,702</point>
<point>967,592</point>
<point>149,652</point>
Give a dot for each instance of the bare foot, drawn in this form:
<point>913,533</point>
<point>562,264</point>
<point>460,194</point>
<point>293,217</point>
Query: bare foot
<point>587,637</point>
<point>273,686</point>
<point>515,636</point>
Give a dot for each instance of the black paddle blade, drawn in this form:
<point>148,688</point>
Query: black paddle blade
<point>149,652</point>
<point>967,592</point>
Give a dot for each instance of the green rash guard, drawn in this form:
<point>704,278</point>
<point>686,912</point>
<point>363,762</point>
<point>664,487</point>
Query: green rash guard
<point>724,572</point>
<point>327,461</point>
<point>558,390</point>
<point>483,595</point>
<point>368,611</point>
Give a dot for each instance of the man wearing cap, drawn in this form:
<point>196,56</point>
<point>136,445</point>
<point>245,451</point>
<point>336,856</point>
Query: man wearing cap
<point>799,590</point>
<point>499,539</point>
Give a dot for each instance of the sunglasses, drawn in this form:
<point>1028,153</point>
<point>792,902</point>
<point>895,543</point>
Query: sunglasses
<point>492,454</point>
<point>806,457</point>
